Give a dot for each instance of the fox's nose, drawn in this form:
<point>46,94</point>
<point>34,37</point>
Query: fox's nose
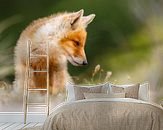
<point>85,62</point>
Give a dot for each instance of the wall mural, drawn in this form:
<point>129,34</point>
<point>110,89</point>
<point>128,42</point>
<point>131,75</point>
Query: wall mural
<point>122,45</point>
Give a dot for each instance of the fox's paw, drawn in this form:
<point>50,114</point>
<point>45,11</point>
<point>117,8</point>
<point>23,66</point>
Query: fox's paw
<point>54,90</point>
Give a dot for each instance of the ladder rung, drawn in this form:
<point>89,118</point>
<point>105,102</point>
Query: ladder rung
<point>37,105</point>
<point>40,71</point>
<point>35,56</point>
<point>37,89</point>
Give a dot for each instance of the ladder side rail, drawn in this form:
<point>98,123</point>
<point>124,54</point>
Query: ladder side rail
<point>26,83</point>
<point>47,78</point>
<point>29,71</point>
<point>25,87</point>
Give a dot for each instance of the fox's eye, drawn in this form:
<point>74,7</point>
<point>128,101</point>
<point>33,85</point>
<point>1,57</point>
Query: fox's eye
<point>77,43</point>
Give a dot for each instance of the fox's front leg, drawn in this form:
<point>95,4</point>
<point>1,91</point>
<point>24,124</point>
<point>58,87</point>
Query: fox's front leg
<point>57,82</point>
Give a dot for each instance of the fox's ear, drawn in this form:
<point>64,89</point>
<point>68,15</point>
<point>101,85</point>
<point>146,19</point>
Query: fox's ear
<point>88,19</point>
<point>75,18</point>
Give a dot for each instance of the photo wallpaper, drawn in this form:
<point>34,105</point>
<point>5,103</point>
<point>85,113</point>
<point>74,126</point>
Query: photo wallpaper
<point>121,43</point>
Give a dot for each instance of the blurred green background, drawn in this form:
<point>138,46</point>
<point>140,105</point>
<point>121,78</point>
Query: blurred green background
<point>125,37</point>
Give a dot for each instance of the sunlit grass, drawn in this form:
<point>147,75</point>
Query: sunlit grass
<point>98,76</point>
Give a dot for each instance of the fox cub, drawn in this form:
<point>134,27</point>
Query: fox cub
<point>66,35</point>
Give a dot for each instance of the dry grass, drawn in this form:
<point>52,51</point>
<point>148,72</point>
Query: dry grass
<point>98,76</point>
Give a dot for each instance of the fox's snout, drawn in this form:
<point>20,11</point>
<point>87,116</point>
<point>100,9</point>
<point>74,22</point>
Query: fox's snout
<point>85,62</point>
<point>78,61</point>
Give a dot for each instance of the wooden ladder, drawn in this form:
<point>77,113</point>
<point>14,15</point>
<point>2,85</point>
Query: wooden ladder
<point>27,88</point>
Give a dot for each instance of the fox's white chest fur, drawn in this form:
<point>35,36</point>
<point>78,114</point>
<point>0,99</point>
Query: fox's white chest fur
<point>66,36</point>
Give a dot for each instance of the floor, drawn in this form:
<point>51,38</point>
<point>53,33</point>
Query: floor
<point>15,104</point>
<point>17,126</point>
<point>11,111</point>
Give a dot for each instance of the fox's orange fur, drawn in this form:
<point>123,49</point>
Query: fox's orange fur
<point>66,35</point>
